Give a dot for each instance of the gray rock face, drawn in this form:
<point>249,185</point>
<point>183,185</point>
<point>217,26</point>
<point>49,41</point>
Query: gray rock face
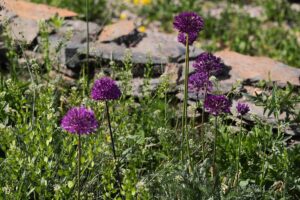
<point>20,29</point>
<point>165,46</point>
<point>78,29</point>
<point>23,30</point>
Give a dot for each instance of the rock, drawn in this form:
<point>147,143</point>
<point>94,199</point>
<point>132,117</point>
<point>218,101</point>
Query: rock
<point>217,9</point>
<point>35,11</point>
<point>295,7</point>
<point>174,72</point>
<point>157,49</point>
<point>105,52</point>
<point>293,130</point>
<point>192,98</point>
<point>66,79</point>
<point>5,16</point>
<point>252,90</point>
<point>70,56</point>
<point>250,69</point>
<point>23,30</point>
<point>138,88</point>
<point>69,38</point>
<point>78,29</point>
<point>165,45</point>
<point>3,51</point>
<point>122,32</point>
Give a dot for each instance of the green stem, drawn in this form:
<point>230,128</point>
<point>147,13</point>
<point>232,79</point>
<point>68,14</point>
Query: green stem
<point>114,149</point>
<point>166,108</point>
<point>202,123</point>
<point>78,170</point>
<point>238,156</point>
<point>87,41</point>
<point>184,116</point>
<point>262,181</point>
<point>215,141</point>
<point>214,153</point>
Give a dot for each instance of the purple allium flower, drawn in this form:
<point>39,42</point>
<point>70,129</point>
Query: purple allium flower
<point>207,62</point>
<point>192,38</point>
<point>217,104</point>
<point>79,120</point>
<point>105,89</point>
<point>198,82</point>
<point>188,22</point>
<point>242,108</point>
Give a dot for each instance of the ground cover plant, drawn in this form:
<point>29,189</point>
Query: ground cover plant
<point>123,147</point>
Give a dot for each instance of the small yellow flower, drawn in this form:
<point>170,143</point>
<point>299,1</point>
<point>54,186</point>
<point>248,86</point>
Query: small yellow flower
<point>142,29</point>
<point>145,2</point>
<point>123,16</point>
<point>108,138</point>
<point>136,2</point>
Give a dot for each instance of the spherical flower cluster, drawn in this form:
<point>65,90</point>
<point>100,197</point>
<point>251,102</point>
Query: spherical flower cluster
<point>79,120</point>
<point>217,104</point>
<point>105,89</point>
<point>188,23</point>
<point>198,82</point>
<point>207,62</point>
<point>242,108</point>
<point>192,38</point>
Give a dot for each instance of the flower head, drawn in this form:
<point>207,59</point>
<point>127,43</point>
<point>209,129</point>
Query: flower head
<point>79,120</point>
<point>188,22</point>
<point>105,89</point>
<point>192,38</point>
<point>207,62</point>
<point>242,108</point>
<point>198,82</point>
<point>217,104</point>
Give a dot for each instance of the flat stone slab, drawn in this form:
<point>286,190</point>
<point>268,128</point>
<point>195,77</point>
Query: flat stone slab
<point>35,11</point>
<point>122,32</point>
<point>253,69</point>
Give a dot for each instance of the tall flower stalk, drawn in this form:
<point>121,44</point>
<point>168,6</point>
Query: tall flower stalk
<point>216,105</point>
<point>189,24</point>
<point>206,64</point>
<point>80,121</point>
<point>87,38</point>
<point>113,145</point>
<point>242,109</point>
<point>105,89</point>
<point>86,70</point>
<point>197,83</point>
<point>184,116</point>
